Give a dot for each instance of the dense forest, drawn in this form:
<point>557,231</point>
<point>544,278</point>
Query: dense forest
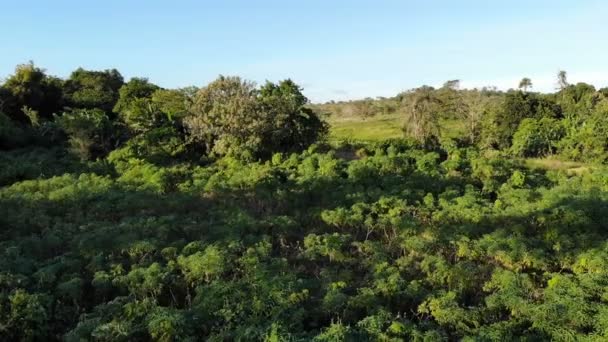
<point>130,212</point>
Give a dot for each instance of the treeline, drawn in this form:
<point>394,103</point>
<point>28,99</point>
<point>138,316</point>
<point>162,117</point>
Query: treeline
<point>570,123</point>
<point>97,111</point>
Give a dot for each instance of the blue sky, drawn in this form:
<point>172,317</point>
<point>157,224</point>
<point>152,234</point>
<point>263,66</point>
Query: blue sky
<point>335,49</point>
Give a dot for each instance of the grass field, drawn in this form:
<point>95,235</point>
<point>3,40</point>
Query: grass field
<point>379,127</point>
<point>372,129</point>
<point>551,163</point>
<point>382,127</point>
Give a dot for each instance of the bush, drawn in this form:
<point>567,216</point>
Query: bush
<point>537,137</point>
<point>587,141</point>
<point>11,135</point>
<point>89,132</point>
<point>231,117</point>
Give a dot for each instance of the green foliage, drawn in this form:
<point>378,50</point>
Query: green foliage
<point>225,118</point>
<point>289,125</point>
<point>221,215</point>
<point>502,123</point>
<point>136,88</point>
<point>202,266</point>
<point>135,106</point>
<point>174,103</point>
<point>586,135</point>
<point>88,130</point>
<point>88,89</point>
<point>422,114</point>
<point>25,164</point>
<point>30,87</point>
<point>232,117</point>
<point>537,138</point>
<point>27,316</point>
<point>167,325</point>
<point>11,135</point>
<point>403,247</point>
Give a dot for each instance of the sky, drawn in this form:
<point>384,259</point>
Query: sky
<point>335,49</point>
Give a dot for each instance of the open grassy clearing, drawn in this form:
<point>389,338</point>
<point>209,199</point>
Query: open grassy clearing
<point>389,126</point>
<point>552,163</point>
<point>372,129</point>
<point>380,127</point>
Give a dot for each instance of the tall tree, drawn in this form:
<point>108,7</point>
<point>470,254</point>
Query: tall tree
<point>136,88</point>
<point>479,104</point>
<point>562,80</point>
<point>525,83</point>
<point>232,117</point>
<point>30,87</point>
<point>91,89</point>
<point>452,84</point>
<point>452,101</point>
<point>135,105</point>
<point>503,120</point>
<point>364,108</point>
<point>289,125</point>
<point>89,132</point>
<point>175,103</point>
<point>225,117</point>
<point>422,114</point>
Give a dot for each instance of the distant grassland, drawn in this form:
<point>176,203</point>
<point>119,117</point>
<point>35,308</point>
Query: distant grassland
<point>376,128</point>
<point>379,127</point>
<point>551,163</point>
<point>388,126</point>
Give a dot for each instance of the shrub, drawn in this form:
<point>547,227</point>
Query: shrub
<point>89,132</point>
<point>537,137</point>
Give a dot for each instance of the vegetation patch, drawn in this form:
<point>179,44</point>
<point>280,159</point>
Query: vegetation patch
<point>235,212</point>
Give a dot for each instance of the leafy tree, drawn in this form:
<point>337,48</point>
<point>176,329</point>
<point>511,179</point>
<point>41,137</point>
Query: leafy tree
<point>290,126</point>
<point>537,137</point>
<point>30,87</point>
<point>479,105</point>
<point>143,115</point>
<point>364,108</point>
<point>231,117</point>
<point>422,115</point>
<point>502,123</point>
<point>136,88</point>
<point>584,110</point>
<point>175,104</point>
<point>562,80</point>
<point>578,102</point>
<point>28,316</point>
<point>167,325</point>
<point>585,139</point>
<point>525,83</point>
<point>204,265</point>
<point>90,89</point>
<point>89,132</point>
<point>225,117</point>
<point>451,100</point>
<point>335,332</point>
